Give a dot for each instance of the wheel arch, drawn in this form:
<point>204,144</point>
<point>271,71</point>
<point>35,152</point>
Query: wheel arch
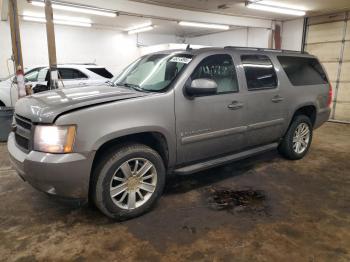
<point>154,139</point>
<point>310,110</point>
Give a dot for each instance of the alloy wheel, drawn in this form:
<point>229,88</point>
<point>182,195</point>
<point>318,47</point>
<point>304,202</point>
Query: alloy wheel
<point>133,183</point>
<point>301,138</point>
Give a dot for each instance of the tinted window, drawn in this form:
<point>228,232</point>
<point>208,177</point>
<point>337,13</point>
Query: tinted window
<point>101,72</point>
<point>259,72</point>
<point>219,68</point>
<point>303,70</point>
<point>69,73</point>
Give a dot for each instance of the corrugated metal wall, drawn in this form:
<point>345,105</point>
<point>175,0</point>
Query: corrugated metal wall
<point>328,37</point>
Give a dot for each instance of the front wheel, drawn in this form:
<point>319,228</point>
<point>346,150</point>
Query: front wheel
<point>128,181</point>
<point>297,140</point>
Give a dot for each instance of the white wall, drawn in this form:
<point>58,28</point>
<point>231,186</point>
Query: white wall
<point>252,37</point>
<point>292,34</point>
<point>109,48</point>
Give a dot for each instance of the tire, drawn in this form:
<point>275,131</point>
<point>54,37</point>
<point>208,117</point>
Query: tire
<point>109,178</point>
<point>288,148</point>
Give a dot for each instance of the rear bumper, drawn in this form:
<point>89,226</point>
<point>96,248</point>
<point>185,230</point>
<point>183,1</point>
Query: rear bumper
<point>65,175</point>
<point>322,117</point>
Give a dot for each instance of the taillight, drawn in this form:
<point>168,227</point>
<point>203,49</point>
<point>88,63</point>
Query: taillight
<point>330,95</point>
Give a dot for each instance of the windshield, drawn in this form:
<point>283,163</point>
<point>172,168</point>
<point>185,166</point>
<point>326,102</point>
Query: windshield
<point>153,73</point>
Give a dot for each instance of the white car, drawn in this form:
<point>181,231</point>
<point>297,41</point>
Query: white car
<point>70,75</point>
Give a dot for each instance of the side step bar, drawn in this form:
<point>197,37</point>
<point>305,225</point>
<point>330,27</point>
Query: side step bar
<point>223,160</point>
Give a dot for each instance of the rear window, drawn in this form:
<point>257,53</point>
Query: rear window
<point>101,72</point>
<point>303,70</point>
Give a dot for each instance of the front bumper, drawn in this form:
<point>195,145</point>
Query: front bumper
<point>65,175</point>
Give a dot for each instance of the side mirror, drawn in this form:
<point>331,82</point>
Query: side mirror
<point>202,86</point>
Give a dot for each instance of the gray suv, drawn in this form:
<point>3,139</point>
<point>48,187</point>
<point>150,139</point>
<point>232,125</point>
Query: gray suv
<point>179,112</point>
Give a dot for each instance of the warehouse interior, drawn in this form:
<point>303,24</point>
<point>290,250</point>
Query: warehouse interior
<point>261,208</point>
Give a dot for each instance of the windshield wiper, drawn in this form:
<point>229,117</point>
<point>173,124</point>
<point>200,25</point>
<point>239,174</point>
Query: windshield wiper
<point>133,86</point>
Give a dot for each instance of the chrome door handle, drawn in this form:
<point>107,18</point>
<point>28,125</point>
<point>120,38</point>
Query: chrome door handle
<point>277,99</point>
<point>235,105</point>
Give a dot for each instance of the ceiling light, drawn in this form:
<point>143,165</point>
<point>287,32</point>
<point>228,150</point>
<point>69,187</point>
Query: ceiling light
<point>143,29</point>
<point>59,17</point>
<point>34,19</point>
<point>63,22</point>
<point>203,25</point>
<point>58,22</point>
<point>147,24</point>
<point>77,8</point>
<point>275,8</point>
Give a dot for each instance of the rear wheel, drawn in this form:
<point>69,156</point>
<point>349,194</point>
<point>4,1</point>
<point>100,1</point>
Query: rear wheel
<point>297,140</point>
<point>128,181</point>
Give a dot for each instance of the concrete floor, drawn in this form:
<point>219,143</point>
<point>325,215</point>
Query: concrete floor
<point>304,214</point>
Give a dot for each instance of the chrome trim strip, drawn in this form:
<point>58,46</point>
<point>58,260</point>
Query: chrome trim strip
<point>214,134</point>
<point>265,124</point>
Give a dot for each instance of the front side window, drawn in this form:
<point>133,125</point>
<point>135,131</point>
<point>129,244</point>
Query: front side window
<point>219,68</point>
<point>153,73</point>
<point>259,72</point>
<point>32,75</point>
<point>70,74</point>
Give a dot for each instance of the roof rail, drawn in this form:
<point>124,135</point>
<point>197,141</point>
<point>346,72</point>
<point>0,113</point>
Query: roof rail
<point>265,49</point>
<point>77,64</point>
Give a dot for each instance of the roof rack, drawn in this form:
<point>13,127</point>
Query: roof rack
<point>77,64</point>
<point>265,49</point>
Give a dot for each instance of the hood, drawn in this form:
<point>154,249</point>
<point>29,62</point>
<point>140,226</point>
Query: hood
<point>45,107</point>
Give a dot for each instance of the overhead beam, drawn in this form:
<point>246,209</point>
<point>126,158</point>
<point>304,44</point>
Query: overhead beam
<point>51,44</point>
<point>149,10</point>
<point>4,4</point>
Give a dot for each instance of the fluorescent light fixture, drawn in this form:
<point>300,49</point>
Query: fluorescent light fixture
<point>143,29</point>
<point>77,8</point>
<point>34,19</point>
<point>59,17</point>
<point>275,8</point>
<point>56,21</point>
<point>147,24</point>
<point>204,25</point>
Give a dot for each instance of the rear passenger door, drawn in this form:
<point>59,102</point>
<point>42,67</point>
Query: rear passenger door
<point>266,100</point>
<point>210,125</point>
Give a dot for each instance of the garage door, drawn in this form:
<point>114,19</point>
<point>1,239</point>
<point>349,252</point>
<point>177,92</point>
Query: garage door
<point>328,37</point>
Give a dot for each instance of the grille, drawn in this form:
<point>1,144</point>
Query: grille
<point>23,132</point>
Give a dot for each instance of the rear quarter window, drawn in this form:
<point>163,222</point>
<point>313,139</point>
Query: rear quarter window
<point>101,72</point>
<point>303,70</point>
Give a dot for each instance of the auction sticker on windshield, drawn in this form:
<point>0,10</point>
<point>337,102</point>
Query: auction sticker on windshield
<point>183,60</point>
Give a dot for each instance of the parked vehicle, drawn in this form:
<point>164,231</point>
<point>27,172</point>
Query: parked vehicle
<point>70,75</point>
<point>168,112</point>
<point>8,90</point>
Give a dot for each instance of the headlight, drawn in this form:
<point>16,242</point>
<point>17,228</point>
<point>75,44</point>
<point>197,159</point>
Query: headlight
<point>54,139</point>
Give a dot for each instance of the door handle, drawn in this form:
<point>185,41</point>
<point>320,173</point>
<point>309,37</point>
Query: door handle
<point>235,105</point>
<point>277,99</point>
<point>82,84</point>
